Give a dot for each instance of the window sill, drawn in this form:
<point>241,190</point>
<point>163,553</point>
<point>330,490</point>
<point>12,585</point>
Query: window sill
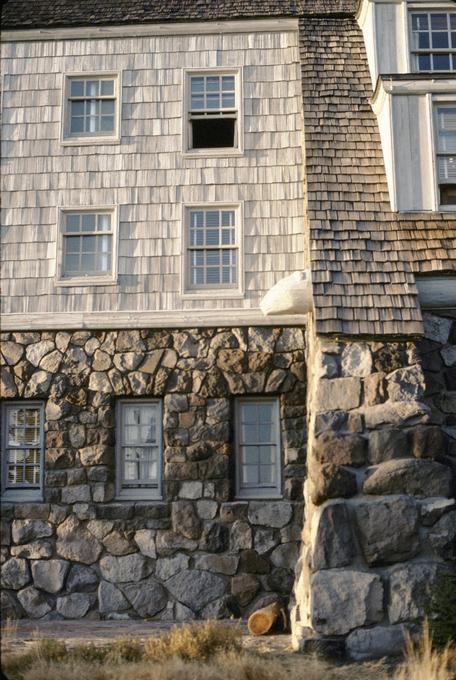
<point>259,497</point>
<point>212,153</point>
<point>86,141</point>
<point>21,496</point>
<point>224,293</point>
<point>85,281</point>
<point>132,498</point>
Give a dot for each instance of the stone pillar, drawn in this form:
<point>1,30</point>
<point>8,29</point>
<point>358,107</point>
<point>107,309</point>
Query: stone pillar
<point>380,521</point>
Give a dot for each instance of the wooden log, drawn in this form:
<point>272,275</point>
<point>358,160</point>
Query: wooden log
<point>261,621</point>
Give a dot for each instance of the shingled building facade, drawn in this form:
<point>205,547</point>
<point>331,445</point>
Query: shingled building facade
<point>167,450</point>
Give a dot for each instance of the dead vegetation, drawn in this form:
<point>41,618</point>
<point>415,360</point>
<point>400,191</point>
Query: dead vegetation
<point>210,651</point>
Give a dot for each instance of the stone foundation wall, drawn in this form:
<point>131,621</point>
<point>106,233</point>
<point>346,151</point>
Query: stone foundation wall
<point>199,552</point>
<point>380,509</point>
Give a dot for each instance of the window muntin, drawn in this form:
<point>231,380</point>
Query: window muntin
<point>433,41</point>
<point>22,450</point>
<point>258,448</point>
<point>213,111</point>
<point>212,247</point>
<point>87,243</point>
<point>445,123</point>
<point>139,458</point>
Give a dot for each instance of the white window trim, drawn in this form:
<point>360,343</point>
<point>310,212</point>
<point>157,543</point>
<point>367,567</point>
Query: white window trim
<point>138,494</point>
<point>25,495</point>
<point>432,101</point>
<point>220,291</point>
<point>257,493</point>
<point>89,280</point>
<point>85,140</point>
<point>238,150</point>
<point>426,7</point>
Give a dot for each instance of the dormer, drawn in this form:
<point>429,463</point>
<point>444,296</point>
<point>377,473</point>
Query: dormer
<point>411,51</point>
<point>409,36</point>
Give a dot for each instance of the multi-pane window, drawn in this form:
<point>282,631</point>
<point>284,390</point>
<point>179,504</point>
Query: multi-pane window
<point>139,449</point>
<point>258,448</point>
<point>213,111</point>
<point>433,41</point>
<point>445,123</point>
<point>92,106</point>
<point>22,450</point>
<point>87,244</point>
<point>212,249</point>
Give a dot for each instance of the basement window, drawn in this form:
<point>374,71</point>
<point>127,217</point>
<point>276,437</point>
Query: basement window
<point>258,450</point>
<point>139,449</point>
<point>213,112</point>
<point>22,451</point>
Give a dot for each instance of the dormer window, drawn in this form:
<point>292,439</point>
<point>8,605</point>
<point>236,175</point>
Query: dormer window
<point>433,41</point>
<point>213,113</point>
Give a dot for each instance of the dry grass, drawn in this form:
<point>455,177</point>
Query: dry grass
<point>9,629</point>
<point>195,641</point>
<point>210,651</point>
<point>425,662</point>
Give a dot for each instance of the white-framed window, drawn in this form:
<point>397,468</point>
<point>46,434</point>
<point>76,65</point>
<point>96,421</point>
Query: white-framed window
<point>22,450</point>
<point>445,152</point>
<point>433,40</point>
<point>258,448</point>
<point>87,246</point>
<point>213,112</point>
<point>91,108</point>
<point>213,252</point>
<point>139,449</point>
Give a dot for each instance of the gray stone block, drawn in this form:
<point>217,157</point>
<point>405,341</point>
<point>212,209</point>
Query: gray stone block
<point>387,529</point>
<point>125,568</point>
<point>195,588</point>
<point>342,600</point>
<point>49,575</point>
<point>410,590</point>
<point>409,476</point>
<point>332,543</point>
<point>376,642</point>
<point>74,606</point>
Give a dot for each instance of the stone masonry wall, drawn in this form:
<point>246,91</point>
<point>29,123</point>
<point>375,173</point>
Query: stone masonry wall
<point>380,521</point>
<point>199,552</point>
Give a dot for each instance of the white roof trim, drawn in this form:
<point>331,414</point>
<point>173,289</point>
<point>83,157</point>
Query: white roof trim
<point>141,30</point>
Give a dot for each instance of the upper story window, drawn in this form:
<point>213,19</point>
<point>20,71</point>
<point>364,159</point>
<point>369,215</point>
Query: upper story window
<point>445,126</point>
<point>258,454</point>
<point>88,246</point>
<point>213,111</point>
<point>433,41</point>
<point>91,109</point>
<point>212,248</point>
<point>139,449</point>
<point>22,451</point>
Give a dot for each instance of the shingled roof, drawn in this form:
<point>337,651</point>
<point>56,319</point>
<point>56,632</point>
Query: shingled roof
<point>23,14</point>
<point>363,256</point>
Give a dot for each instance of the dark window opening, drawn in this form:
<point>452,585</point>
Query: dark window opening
<point>448,194</point>
<point>213,133</point>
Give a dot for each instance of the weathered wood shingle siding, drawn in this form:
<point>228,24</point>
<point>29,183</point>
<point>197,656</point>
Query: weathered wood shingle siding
<point>363,256</point>
<point>146,174</point>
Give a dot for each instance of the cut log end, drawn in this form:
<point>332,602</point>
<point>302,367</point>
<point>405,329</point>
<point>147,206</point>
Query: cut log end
<point>262,621</point>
